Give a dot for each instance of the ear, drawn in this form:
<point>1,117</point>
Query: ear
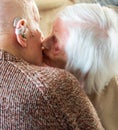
<point>20,31</point>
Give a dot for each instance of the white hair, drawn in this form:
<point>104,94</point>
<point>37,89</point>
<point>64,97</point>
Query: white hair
<point>92,47</point>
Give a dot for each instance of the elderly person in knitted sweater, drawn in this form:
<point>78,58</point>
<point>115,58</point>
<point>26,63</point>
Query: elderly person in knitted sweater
<point>34,97</point>
<point>84,41</point>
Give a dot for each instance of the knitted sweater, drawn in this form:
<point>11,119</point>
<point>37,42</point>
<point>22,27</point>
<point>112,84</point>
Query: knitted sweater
<point>42,98</point>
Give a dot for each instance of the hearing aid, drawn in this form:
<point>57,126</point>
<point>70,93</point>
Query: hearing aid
<point>19,30</point>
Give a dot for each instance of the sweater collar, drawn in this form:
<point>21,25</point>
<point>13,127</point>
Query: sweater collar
<point>4,55</point>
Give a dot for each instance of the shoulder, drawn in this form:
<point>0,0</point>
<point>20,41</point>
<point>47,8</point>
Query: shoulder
<point>58,76</point>
<point>63,84</point>
<point>66,94</point>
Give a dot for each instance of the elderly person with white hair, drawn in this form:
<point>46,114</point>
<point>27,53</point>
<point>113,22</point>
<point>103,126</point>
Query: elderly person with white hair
<point>34,97</point>
<point>84,42</point>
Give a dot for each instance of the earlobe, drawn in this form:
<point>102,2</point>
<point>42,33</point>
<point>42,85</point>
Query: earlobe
<point>20,31</point>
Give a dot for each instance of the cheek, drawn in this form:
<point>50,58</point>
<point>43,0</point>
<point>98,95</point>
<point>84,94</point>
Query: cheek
<point>62,32</point>
<point>63,38</point>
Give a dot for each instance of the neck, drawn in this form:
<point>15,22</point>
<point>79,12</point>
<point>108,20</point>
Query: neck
<point>8,44</point>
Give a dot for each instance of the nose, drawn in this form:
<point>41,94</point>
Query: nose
<point>41,35</point>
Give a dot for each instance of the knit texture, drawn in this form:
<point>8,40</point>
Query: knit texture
<point>42,98</point>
